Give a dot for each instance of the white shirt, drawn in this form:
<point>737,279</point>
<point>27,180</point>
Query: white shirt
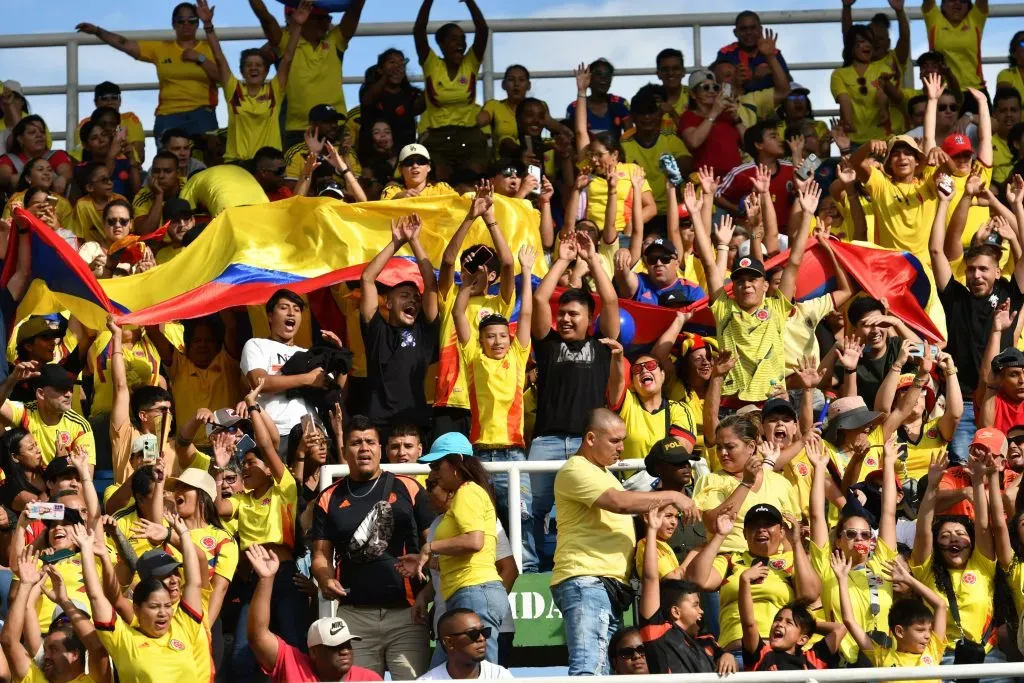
<point>487,671</point>
<point>501,551</point>
<point>269,355</point>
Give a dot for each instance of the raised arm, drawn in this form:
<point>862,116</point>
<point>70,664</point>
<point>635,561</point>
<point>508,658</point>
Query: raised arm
<point>926,513</point>
<point>191,591</point>
<point>527,257</point>
<point>368,304</point>
<point>941,269</point>
<point>844,289</point>
<point>650,589</point>
<point>541,323</point>
<point>481,203</point>
<point>262,436</point>
<point>984,127</point>
<point>615,389</point>
<point>887,522</point>
<point>979,470</point>
<point>582,74</point>
<point>120,410</point>
<point>507,276</point>
<point>271,29</point>
<point>861,160</point>
<point>609,323</point>
<point>419,31</point>
<point>662,349</point>
<point>350,20</point>
<point>702,240</point>
<point>701,569</point>
<point>816,509</point>
<point>1000,531</point>
<point>205,13</point>
<point>988,386</point>
<point>933,87</point>
<point>954,399</point>
<point>841,568</point>
<point>299,17</point>
<point>118,42</point>
<point>808,203</point>
<point>102,611</point>
<point>463,329</point>
<point>481,32</point>
<point>29,577</point>
<point>413,226</point>
<point>903,38</point>
<point>806,582</point>
<point>263,643</point>
<point>748,620</point>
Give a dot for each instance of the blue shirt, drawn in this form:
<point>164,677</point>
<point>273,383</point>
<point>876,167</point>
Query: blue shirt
<point>612,122</point>
<point>684,291</point>
<point>735,55</point>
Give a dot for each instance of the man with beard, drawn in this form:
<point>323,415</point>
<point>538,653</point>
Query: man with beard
<point>465,640</point>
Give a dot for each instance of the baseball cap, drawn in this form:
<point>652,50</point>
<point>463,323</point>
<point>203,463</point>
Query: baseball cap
<point>106,88</point>
<point>1008,358</point>
<point>57,468</point>
<point>957,143</point>
<point>15,87</point>
<point>749,265</point>
<point>992,439</point>
<point>41,326</point>
<point>452,443</point>
<point>905,140</point>
<point>224,418</point>
<point>763,511</point>
<point>778,405</point>
<point>797,89</point>
<point>698,76</point>
<point>197,479</point>
<point>58,611</point>
<point>660,244</point>
<point>325,113</point>
<point>173,208</point>
<point>669,452</point>
<point>413,150</point>
<point>506,167</point>
<point>156,563</point>
<point>329,631</point>
<point>53,376</point>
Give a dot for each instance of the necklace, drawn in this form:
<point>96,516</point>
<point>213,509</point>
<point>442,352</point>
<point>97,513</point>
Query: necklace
<point>348,485</point>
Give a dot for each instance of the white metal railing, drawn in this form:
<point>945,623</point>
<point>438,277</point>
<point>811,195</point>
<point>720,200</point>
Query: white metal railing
<point>962,671</point>
<point>695,22</point>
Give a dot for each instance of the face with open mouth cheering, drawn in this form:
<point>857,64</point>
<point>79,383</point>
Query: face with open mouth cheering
<point>404,304</point>
<point>953,542</point>
<point>647,377</point>
<point>284,318</point>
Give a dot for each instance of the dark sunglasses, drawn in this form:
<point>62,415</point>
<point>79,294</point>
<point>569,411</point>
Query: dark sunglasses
<point>510,173</point>
<point>648,365</point>
<point>415,161</point>
<point>186,20</point>
<point>474,634</point>
<point>858,534</point>
<point>1016,440</point>
<point>278,171</point>
<point>123,222</point>
<point>947,107</point>
<point>863,83</point>
<point>709,87</point>
<point>664,259</point>
<point>630,652</point>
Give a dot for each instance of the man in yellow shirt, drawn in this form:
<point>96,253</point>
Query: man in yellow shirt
<point>647,143</point>
<point>163,185</point>
<point>596,541</point>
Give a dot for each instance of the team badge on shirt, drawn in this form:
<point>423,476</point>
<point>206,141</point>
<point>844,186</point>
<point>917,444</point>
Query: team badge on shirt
<point>265,501</point>
<point>176,644</point>
<point>777,564</point>
<point>762,314</point>
<point>927,660</point>
<point>63,438</point>
<point>208,542</point>
<point>802,469</point>
<point>932,433</point>
<point>970,578</point>
<point>871,462</point>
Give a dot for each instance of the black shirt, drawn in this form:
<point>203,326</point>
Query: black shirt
<point>671,650</point>
<point>571,381</point>
<point>397,359</point>
<point>767,659</point>
<point>968,323</point>
<point>871,371</point>
<point>395,511</point>
<point>398,109</point>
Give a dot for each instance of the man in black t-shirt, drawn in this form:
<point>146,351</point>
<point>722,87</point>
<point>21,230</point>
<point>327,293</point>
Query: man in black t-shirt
<point>361,524</point>
<point>572,365</point>
<point>400,348</point>
<point>969,309</point>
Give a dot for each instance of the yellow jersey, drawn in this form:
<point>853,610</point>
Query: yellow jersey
<point>1002,159</point>
<point>141,363</point>
<point>973,587</point>
<point>887,657</point>
<point>36,675</point>
<point>87,222</point>
<point>667,561</point>
<point>597,197</point>
<point>1011,78</point>
<point>142,204</point>
<point>644,429</point>
<point>503,123</point>
<point>470,510</point>
<point>756,339</point>
<point>919,454</point>
<point>171,658</point>
<point>650,159</point>
<point>863,91</point>
<point>800,325</point>
<point>184,86</point>
<point>65,212</point>
<point>904,212</point>
<point>71,430</point>
<point>451,101</point>
<point>799,472</point>
<point>269,519</point>
<point>253,120</point>
<point>495,388</point>
<point>218,385</point>
<point>125,520</point>
<point>667,124</point>
<point>771,595</point>
<point>295,163</point>
<point>69,566</point>
<point>315,76</point>
<point>435,189</point>
<point>961,44</point>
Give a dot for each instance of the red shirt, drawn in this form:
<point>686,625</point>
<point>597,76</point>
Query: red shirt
<point>958,477</point>
<point>293,665</point>
<point>721,148</point>
<point>57,159</point>
<point>1008,413</point>
<point>740,181</point>
<point>282,192</point>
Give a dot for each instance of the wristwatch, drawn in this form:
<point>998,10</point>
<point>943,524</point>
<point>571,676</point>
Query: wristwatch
<point>255,408</point>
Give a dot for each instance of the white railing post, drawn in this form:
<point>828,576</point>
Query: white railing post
<point>696,46</point>
<point>71,106</point>
<point>487,68</point>
<point>515,517</point>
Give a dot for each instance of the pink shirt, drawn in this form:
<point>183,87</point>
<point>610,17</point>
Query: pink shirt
<point>293,666</point>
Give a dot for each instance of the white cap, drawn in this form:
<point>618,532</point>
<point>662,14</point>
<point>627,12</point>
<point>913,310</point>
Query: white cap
<point>58,611</point>
<point>413,150</point>
<point>197,479</point>
<point>14,86</point>
<point>329,631</point>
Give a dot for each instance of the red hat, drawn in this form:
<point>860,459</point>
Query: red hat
<point>907,381</point>
<point>992,439</point>
<point>683,211</point>
<point>957,143</point>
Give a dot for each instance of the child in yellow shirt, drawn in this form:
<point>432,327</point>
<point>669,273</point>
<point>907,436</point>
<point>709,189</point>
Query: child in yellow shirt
<point>668,565</point>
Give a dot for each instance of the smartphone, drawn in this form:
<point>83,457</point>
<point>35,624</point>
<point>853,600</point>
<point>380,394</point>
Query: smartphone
<point>244,445</point>
<point>535,172</point>
<point>727,91</point>
<point>945,185</point>
<point>150,454</point>
<point>918,351</point>
<point>808,168</point>
<point>46,511</point>
<point>52,200</point>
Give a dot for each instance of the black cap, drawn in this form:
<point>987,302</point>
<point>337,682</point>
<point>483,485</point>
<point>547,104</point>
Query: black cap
<point>174,208</point>
<point>106,88</point>
<point>325,113</point>
<point>778,405</point>
<point>71,517</point>
<point>57,468</point>
<point>1009,358</point>
<point>55,376</point>
<point>762,511</point>
<point>156,563</point>
<point>669,452</point>
<point>660,244</point>
<point>504,167</point>
<point>749,265</point>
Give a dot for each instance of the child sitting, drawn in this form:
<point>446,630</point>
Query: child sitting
<point>917,633</point>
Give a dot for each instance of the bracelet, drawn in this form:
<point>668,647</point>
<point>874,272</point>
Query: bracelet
<point>920,382</point>
<point>209,29</point>
<point>844,150</point>
<point>722,247</point>
<point>344,171</point>
<point>897,368</point>
<point>952,372</point>
<point>168,539</point>
<point>749,486</point>
<point>116,353</point>
<point>581,94</point>
<point>254,408</point>
<point>492,225</point>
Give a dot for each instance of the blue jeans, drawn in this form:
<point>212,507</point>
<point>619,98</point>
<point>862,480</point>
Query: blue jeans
<point>500,482</point>
<point>288,619</point>
<point>589,623</point>
<point>195,122</point>
<point>711,603</point>
<point>6,579</point>
<point>554,447</point>
<point>490,601</point>
<point>963,436</point>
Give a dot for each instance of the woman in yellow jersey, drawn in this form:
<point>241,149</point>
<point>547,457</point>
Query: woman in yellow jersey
<point>870,585</point>
<point>503,116</point>
<point>448,127</point>
<point>161,647</point>
<point>956,557</point>
<point>955,29</point>
<point>912,400</point>
<point>1013,77</point>
<point>863,106</point>
<point>687,376</point>
<point>90,222</point>
<point>1009,542</point>
<point>415,166</point>
<point>188,95</point>
<point>790,576</point>
<point>466,538</point>
<point>39,175</point>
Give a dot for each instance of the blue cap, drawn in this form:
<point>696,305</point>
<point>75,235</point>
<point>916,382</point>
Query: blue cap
<point>452,443</point>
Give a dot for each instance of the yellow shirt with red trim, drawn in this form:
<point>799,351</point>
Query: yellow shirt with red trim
<point>70,570</point>
<point>712,489</point>
<point>125,520</point>
<point>495,388</point>
<point>315,76</point>
<point>868,587</point>
<point>87,222</point>
<point>757,340</point>
<point>597,197</point>
<point>799,339</point>
<point>1015,578</point>
<point>270,518</point>
<point>799,473</point>
<point>253,120</point>
<point>771,595</point>
<point>903,212</point>
<point>71,430</point>
<point>450,101</point>
<point>1011,78</point>
<point>446,383</point>
<point>650,159</point>
<point>864,93</point>
<point>220,555</point>
<point>216,386</point>
<point>143,202</point>
<point>919,454</point>
<point>961,44</point>
<point>887,657</point>
<point>141,364</point>
<point>295,163</point>
<point>667,561</point>
<point>470,510</point>
<point>36,675</point>
<point>973,587</point>
<point>184,86</point>
<point>644,428</point>
<point>171,657</point>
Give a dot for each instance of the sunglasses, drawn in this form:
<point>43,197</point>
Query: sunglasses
<point>1017,440</point>
<point>415,162</point>
<point>863,85</point>
<point>858,534</point>
<point>123,222</point>
<point>186,20</point>
<point>474,634</point>
<point>664,260</point>
<point>709,87</point>
<point>510,173</point>
<point>947,107</point>
<point>630,652</point>
<point>648,365</point>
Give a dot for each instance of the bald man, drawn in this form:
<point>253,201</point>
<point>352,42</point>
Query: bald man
<point>464,637</point>
<point>595,542</point>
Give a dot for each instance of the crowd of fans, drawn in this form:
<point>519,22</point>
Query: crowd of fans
<point>823,484</point>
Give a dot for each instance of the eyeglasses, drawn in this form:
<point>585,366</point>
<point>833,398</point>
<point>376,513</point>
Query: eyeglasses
<point>709,87</point>
<point>103,179</point>
<point>123,222</point>
<point>648,365</point>
<point>474,634</point>
<point>947,107</point>
<point>664,260</point>
<point>1016,440</point>
<point>863,83</point>
<point>630,652</point>
<point>858,534</point>
<point>186,20</point>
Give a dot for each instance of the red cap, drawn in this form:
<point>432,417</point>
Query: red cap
<point>992,439</point>
<point>957,143</point>
<point>683,211</point>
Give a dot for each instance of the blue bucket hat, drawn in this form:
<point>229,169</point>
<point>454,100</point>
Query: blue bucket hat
<point>452,443</point>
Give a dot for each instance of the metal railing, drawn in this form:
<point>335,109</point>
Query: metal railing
<point>488,75</point>
<point>903,673</point>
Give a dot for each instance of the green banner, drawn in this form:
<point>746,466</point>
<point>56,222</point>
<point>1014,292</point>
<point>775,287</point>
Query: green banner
<point>538,620</point>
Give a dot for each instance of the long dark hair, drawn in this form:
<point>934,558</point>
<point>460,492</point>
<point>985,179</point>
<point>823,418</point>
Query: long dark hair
<point>470,469</point>
<point>13,146</point>
<point>850,39</point>
<point>943,582</point>
<point>24,181</point>
<point>206,506</point>
<point>10,445</point>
